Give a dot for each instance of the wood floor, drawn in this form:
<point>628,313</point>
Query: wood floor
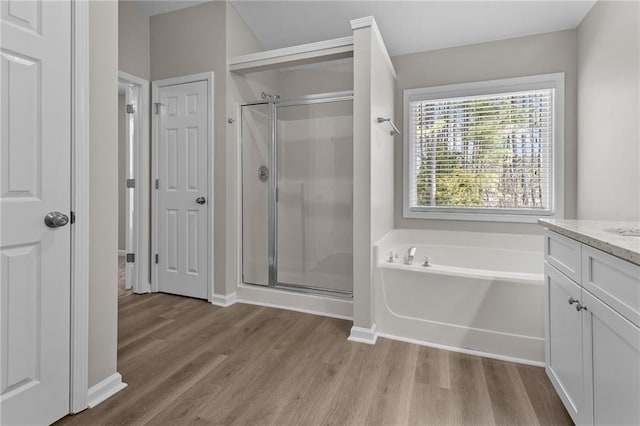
<point>188,362</point>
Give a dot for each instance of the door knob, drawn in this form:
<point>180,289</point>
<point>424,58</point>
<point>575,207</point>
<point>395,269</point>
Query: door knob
<point>200,200</point>
<point>572,300</point>
<point>56,219</point>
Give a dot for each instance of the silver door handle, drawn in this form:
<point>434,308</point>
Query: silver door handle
<point>200,200</point>
<point>572,300</point>
<point>56,219</point>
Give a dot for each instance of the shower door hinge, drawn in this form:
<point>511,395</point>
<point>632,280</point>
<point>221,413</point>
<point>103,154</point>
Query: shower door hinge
<point>131,258</point>
<point>131,183</point>
<point>131,109</point>
<point>156,257</point>
<point>157,184</point>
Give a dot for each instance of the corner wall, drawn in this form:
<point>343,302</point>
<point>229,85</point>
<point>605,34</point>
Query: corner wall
<point>609,113</point>
<point>103,207</point>
<point>539,54</point>
<point>134,56</point>
<point>372,166</point>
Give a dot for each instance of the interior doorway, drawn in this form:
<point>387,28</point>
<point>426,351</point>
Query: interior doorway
<point>133,184</point>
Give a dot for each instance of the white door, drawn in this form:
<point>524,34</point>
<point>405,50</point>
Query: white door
<point>131,214</point>
<point>183,189</point>
<point>564,340</point>
<point>612,365</point>
<point>34,180</point>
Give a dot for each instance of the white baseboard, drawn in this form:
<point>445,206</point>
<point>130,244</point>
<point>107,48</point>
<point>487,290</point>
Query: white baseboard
<point>224,300</point>
<point>122,252</point>
<point>105,389</point>
<point>462,350</point>
<point>363,335</point>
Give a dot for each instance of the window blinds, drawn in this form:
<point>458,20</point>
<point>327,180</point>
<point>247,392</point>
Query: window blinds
<point>489,152</point>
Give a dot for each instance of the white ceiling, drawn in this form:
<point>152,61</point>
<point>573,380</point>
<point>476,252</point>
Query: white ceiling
<point>406,26</point>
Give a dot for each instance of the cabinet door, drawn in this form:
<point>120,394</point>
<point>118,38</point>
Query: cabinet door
<point>564,340</point>
<point>611,367</point>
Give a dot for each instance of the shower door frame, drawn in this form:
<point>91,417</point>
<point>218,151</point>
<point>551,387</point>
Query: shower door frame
<point>274,104</point>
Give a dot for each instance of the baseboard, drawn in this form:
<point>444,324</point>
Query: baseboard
<point>105,389</point>
<point>363,335</point>
<point>462,350</point>
<point>224,300</point>
<point>122,252</point>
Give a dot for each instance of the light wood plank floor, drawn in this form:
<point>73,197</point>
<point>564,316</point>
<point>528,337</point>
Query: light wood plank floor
<point>188,362</point>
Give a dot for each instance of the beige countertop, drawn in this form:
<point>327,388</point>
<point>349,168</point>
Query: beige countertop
<point>598,234</point>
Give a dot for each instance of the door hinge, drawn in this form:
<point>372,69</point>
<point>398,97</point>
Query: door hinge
<point>73,217</point>
<point>131,183</point>
<point>157,184</point>
<point>131,109</point>
<point>131,258</point>
<point>157,107</point>
<point>156,257</point>
<point>277,194</point>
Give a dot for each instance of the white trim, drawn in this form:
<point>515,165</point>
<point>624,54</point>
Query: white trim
<point>488,87</point>
<point>364,335</point>
<point>462,350</point>
<point>155,85</point>
<point>320,51</point>
<point>224,300</point>
<point>370,22</point>
<point>105,389</point>
<point>141,174</point>
<point>364,22</point>
<point>79,331</point>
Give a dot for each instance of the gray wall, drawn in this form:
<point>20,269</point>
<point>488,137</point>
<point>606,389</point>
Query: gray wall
<point>134,56</point>
<point>608,112</point>
<point>190,41</point>
<point>540,54</point>
<point>103,207</point>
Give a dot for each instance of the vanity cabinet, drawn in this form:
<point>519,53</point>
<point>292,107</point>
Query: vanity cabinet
<point>593,332</point>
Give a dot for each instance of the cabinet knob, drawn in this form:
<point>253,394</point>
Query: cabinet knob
<point>580,307</point>
<point>572,300</point>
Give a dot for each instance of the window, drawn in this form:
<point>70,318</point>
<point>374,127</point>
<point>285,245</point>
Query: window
<point>490,150</point>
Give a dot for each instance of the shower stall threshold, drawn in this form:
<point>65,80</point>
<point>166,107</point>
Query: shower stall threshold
<point>325,303</point>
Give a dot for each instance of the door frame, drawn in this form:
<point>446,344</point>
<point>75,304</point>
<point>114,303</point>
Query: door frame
<point>80,193</point>
<point>140,226</point>
<point>155,86</point>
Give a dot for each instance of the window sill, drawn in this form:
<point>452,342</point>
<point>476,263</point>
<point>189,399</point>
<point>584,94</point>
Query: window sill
<point>477,217</point>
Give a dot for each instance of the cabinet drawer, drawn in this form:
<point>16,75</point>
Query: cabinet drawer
<point>614,281</point>
<point>564,254</point>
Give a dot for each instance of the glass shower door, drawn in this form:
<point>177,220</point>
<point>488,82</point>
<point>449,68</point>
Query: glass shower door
<point>256,130</point>
<point>314,206</point>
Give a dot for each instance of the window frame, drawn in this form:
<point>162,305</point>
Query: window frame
<point>490,87</point>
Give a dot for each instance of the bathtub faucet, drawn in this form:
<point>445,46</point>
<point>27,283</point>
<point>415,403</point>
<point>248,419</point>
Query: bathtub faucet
<point>410,255</point>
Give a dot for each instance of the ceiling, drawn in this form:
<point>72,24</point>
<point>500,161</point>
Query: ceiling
<point>406,26</point>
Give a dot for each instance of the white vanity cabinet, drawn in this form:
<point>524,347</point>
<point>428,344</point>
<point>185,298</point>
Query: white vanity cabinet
<point>593,332</point>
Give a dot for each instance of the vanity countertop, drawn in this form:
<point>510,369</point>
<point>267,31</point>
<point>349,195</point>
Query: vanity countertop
<point>621,239</point>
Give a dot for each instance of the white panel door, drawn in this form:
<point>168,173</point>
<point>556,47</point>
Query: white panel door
<point>612,365</point>
<point>34,180</point>
<point>564,340</point>
<point>183,189</point>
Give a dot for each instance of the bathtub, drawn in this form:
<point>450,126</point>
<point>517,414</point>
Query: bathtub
<point>483,293</point>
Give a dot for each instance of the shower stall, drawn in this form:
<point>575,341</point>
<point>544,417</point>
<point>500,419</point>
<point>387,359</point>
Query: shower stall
<point>297,193</point>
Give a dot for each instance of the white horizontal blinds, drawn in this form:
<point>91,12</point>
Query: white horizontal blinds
<point>482,152</point>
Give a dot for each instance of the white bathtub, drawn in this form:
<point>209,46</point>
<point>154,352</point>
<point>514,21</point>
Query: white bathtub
<point>482,294</point>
